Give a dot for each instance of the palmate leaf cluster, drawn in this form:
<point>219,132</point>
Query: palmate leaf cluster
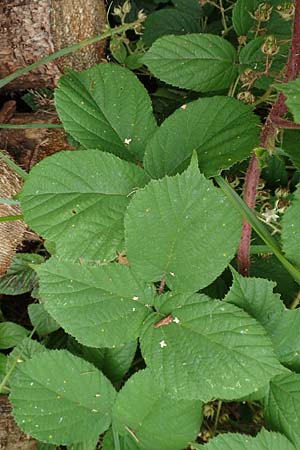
<point>146,191</point>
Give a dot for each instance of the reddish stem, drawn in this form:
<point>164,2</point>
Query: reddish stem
<point>267,139</point>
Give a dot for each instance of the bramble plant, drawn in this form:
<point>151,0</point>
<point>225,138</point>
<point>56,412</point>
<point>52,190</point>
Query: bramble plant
<point>148,327</point>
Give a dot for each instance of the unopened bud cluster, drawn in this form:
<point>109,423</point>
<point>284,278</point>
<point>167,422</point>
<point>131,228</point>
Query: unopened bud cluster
<point>286,11</point>
<point>123,10</point>
<point>263,12</point>
<point>270,46</point>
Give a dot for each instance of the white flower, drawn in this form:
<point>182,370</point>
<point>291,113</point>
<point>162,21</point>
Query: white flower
<point>270,215</point>
<point>127,141</point>
<point>163,344</point>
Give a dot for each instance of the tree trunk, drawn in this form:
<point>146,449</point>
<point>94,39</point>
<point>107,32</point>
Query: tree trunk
<point>11,437</point>
<point>32,29</point>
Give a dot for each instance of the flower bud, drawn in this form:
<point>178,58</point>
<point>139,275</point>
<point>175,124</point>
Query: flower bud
<point>246,97</point>
<point>270,46</point>
<point>247,78</point>
<point>126,7</point>
<point>286,11</point>
<point>263,12</point>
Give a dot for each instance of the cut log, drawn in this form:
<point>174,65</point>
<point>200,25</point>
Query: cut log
<point>11,437</point>
<point>32,29</point>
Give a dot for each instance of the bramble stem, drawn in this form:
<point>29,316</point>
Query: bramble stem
<point>267,139</point>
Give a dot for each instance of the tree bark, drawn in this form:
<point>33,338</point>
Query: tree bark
<point>11,233</point>
<point>11,437</point>
<point>31,145</point>
<point>32,29</point>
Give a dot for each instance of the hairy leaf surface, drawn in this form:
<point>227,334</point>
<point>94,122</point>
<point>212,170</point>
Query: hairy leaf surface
<point>256,297</point>
<point>181,229</point>
<point>61,399</point>
<point>169,21</point>
<point>208,350</point>
<point>11,334</point>
<point>221,129</point>
<point>201,62</point>
<point>20,277</point>
<point>101,306</point>
<point>291,229</point>
<point>282,406</point>
<point>265,440</point>
<point>291,91</point>
<point>78,200</point>
<point>106,107</point>
<point>158,422</point>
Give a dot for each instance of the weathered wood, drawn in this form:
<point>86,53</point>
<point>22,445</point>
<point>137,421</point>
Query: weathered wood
<point>31,145</point>
<point>11,437</point>
<point>11,233</point>
<point>32,29</point>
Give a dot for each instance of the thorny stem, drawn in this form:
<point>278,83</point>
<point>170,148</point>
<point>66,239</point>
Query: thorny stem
<point>267,139</point>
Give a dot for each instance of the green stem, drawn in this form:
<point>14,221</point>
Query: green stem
<point>217,417</point>
<point>8,201</point>
<point>13,166</point>
<point>295,302</point>
<point>10,218</point>
<point>263,98</point>
<point>116,438</point>
<point>66,51</point>
<point>258,226</point>
<point>24,126</point>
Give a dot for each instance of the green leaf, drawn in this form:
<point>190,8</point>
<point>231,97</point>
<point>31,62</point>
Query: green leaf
<point>44,446</point>
<point>282,406</point>
<point>126,442</point>
<point>169,21</point>
<point>291,91</point>
<point>221,129</point>
<point>256,297</point>
<point>158,421</point>
<point>113,362</point>
<point>85,445</point>
<point>268,266</point>
<point>189,220</point>
<point>265,440</point>
<point>3,360</point>
<point>75,395</point>
<point>291,229</point>
<point>241,15</point>
<point>275,173</point>
<point>200,62</point>
<point>191,7</point>
<point>41,319</point>
<point>25,350</point>
<point>106,107</point>
<point>20,277</point>
<point>208,350</point>
<point>290,145</point>
<point>11,334</point>
<point>100,306</point>
<point>78,200</point>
